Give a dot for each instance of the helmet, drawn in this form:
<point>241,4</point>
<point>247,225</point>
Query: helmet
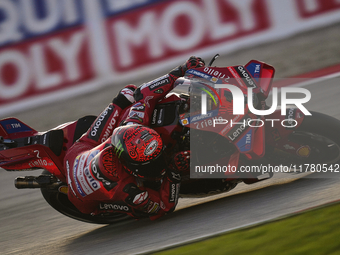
<point>140,150</point>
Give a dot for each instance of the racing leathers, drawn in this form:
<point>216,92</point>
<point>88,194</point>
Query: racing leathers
<point>96,178</point>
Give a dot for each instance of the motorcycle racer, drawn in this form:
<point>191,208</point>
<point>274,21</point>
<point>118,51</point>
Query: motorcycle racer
<point>120,167</point>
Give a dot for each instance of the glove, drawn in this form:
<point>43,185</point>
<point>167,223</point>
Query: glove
<point>192,62</point>
<point>125,97</point>
<point>128,91</point>
<point>182,161</point>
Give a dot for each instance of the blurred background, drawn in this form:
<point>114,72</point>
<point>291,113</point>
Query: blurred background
<point>61,59</point>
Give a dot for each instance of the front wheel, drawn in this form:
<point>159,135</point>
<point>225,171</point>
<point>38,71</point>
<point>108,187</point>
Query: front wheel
<point>316,143</point>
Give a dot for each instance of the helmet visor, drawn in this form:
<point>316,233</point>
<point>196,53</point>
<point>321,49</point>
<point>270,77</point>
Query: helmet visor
<point>153,169</point>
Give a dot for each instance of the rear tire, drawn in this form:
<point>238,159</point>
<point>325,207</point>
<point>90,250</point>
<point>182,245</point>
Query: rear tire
<point>60,202</point>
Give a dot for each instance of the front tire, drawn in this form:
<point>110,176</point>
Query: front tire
<point>322,134</point>
<point>316,144</point>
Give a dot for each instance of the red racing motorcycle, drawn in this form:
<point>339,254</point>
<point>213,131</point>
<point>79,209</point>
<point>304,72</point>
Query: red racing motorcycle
<point>218,113</point>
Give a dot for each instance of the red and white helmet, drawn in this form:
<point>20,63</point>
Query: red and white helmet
<point>140,150</point>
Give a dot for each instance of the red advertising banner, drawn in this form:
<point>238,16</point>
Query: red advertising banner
<point>310,8</point>
<point>52,49</point>
<point>164,30</point>
<point>42,65</point>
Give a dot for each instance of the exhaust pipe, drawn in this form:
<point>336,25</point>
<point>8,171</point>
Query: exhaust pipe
<point>33,182</point>
<point>28,182</point>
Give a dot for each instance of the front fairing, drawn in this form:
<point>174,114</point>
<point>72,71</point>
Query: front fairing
<point>213,124</point>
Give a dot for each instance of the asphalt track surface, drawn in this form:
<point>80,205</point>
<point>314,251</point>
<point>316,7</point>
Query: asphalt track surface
<point>30,226</point>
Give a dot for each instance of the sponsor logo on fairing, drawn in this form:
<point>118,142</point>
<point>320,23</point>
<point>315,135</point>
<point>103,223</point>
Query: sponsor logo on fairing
<point>185,121</point>
<point>257,72</point>
<point>205,116</point>
<point>12,126</point>
<point>237,131</point>
<point>216,74</point>
<point>114,206</point>
<point>244,143</point>
<point>246,76</point>
<point>206,122</point>
<point>39,163</point>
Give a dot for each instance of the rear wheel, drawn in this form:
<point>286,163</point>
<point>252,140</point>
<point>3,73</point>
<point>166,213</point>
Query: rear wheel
<point>60,202</point>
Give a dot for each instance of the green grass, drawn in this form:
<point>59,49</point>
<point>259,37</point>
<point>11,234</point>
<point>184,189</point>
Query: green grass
<point>312,232</point>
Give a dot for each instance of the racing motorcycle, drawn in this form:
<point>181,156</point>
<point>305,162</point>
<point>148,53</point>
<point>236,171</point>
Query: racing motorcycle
<point>198,116</point>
